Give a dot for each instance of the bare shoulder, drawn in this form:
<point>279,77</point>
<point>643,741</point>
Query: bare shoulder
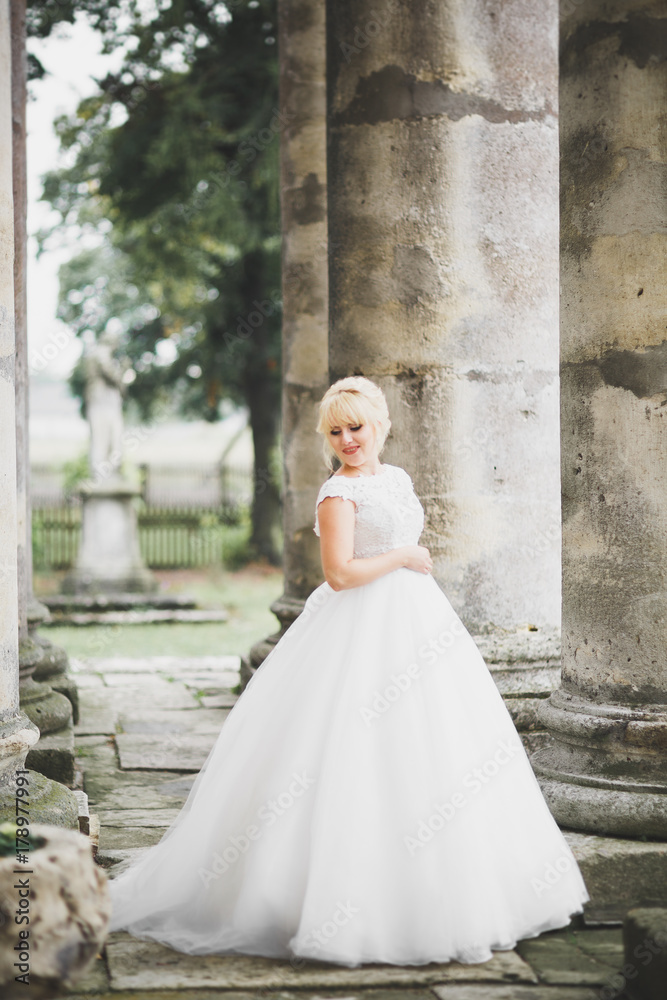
<point>332,502</point>
<point>339,489</point>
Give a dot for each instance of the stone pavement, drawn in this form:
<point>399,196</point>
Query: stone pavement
<point>146,727</point>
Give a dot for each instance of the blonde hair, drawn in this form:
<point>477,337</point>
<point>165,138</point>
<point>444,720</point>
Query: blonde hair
<point>353,400</point>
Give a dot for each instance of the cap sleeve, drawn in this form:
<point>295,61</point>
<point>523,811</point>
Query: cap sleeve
<point>335,486</point>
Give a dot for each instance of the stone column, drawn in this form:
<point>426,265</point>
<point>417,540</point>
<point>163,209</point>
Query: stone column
<point>442,166</point>
<point>47,709</point>
<point>49,801</point>
<point>304,292</point>
<point>607,771</point>
<point>17,733</point>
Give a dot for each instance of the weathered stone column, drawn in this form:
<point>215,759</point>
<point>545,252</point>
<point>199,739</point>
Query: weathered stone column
<point>17,733</point>
<point>305,307</point>
<point>49,801</point>
<point>47,709</point>
<point>608,769</point>
<point>442,167</point>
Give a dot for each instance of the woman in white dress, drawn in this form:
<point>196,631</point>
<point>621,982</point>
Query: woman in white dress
<point>368,798</point>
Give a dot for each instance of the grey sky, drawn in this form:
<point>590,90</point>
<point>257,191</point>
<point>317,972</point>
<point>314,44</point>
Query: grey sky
<point>72,57</point>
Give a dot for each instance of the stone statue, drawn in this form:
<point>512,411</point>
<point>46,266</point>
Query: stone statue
<point>104,407</point>
<point>109,559</point>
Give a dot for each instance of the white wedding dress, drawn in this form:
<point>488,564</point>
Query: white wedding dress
<point>368,798</point>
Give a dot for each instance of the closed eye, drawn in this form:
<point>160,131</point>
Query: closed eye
<point>357,427</point>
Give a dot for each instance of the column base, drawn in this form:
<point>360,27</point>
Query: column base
<point>287,610</point>
<point>619,873</point>
<point>54,755</point>
<point>46,662</point>
<point>525,665</point>
<point>606,772</point>
<point>17,735</point>
<point>646,928</point>
<point>48,802</point>
<point>49,710</point>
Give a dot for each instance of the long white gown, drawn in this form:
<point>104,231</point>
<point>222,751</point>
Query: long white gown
<point>368,798</point>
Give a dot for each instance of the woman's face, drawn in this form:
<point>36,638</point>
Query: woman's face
<point>354,444</point>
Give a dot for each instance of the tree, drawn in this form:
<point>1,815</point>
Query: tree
<point>178,152</point>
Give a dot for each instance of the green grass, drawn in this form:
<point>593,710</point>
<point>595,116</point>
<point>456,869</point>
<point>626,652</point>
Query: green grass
<point>245,594</point>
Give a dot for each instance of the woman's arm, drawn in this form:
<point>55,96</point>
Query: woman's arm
<point>341,570</point>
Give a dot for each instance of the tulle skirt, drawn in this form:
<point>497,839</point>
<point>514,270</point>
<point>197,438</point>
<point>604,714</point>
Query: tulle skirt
<point>368,800</point>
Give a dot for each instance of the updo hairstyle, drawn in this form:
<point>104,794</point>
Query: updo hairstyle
<point>353,400</point>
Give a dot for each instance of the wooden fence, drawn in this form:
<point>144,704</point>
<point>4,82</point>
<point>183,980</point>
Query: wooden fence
<point>185,521</point>
<point>179,539</point>
<point>55,536</point>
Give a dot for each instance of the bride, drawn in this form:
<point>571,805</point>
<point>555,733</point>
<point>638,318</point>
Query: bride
<point>368,798</point>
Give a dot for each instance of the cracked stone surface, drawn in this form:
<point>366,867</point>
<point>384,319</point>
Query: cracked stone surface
<point>533,681</point>
<point>162,693</point>
<point>569,957</point>
<point>135,964</point>
<point>114,837</point>
<point>166,721</point>
<point>138,817</point>
<point>177,753</point>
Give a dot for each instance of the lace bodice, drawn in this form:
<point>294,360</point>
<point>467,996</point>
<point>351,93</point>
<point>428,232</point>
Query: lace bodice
<point>388,512</point>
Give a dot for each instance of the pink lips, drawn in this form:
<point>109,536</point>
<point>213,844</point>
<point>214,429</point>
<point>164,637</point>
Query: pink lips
<point>350,451</point>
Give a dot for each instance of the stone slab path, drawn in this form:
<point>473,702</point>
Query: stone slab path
<point>146,727</point>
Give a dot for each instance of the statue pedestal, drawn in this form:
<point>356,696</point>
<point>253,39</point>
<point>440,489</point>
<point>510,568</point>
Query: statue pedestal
<point>109,560</point>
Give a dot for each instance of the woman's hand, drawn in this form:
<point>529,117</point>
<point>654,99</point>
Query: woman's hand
<point>341,570</point>
<point>417,558</point>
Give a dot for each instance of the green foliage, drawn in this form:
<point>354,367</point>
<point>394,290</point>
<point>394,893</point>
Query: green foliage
<point>173,168</point>
<point>189,183</point>
<point>75,472</point>
<point>42,16</point>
